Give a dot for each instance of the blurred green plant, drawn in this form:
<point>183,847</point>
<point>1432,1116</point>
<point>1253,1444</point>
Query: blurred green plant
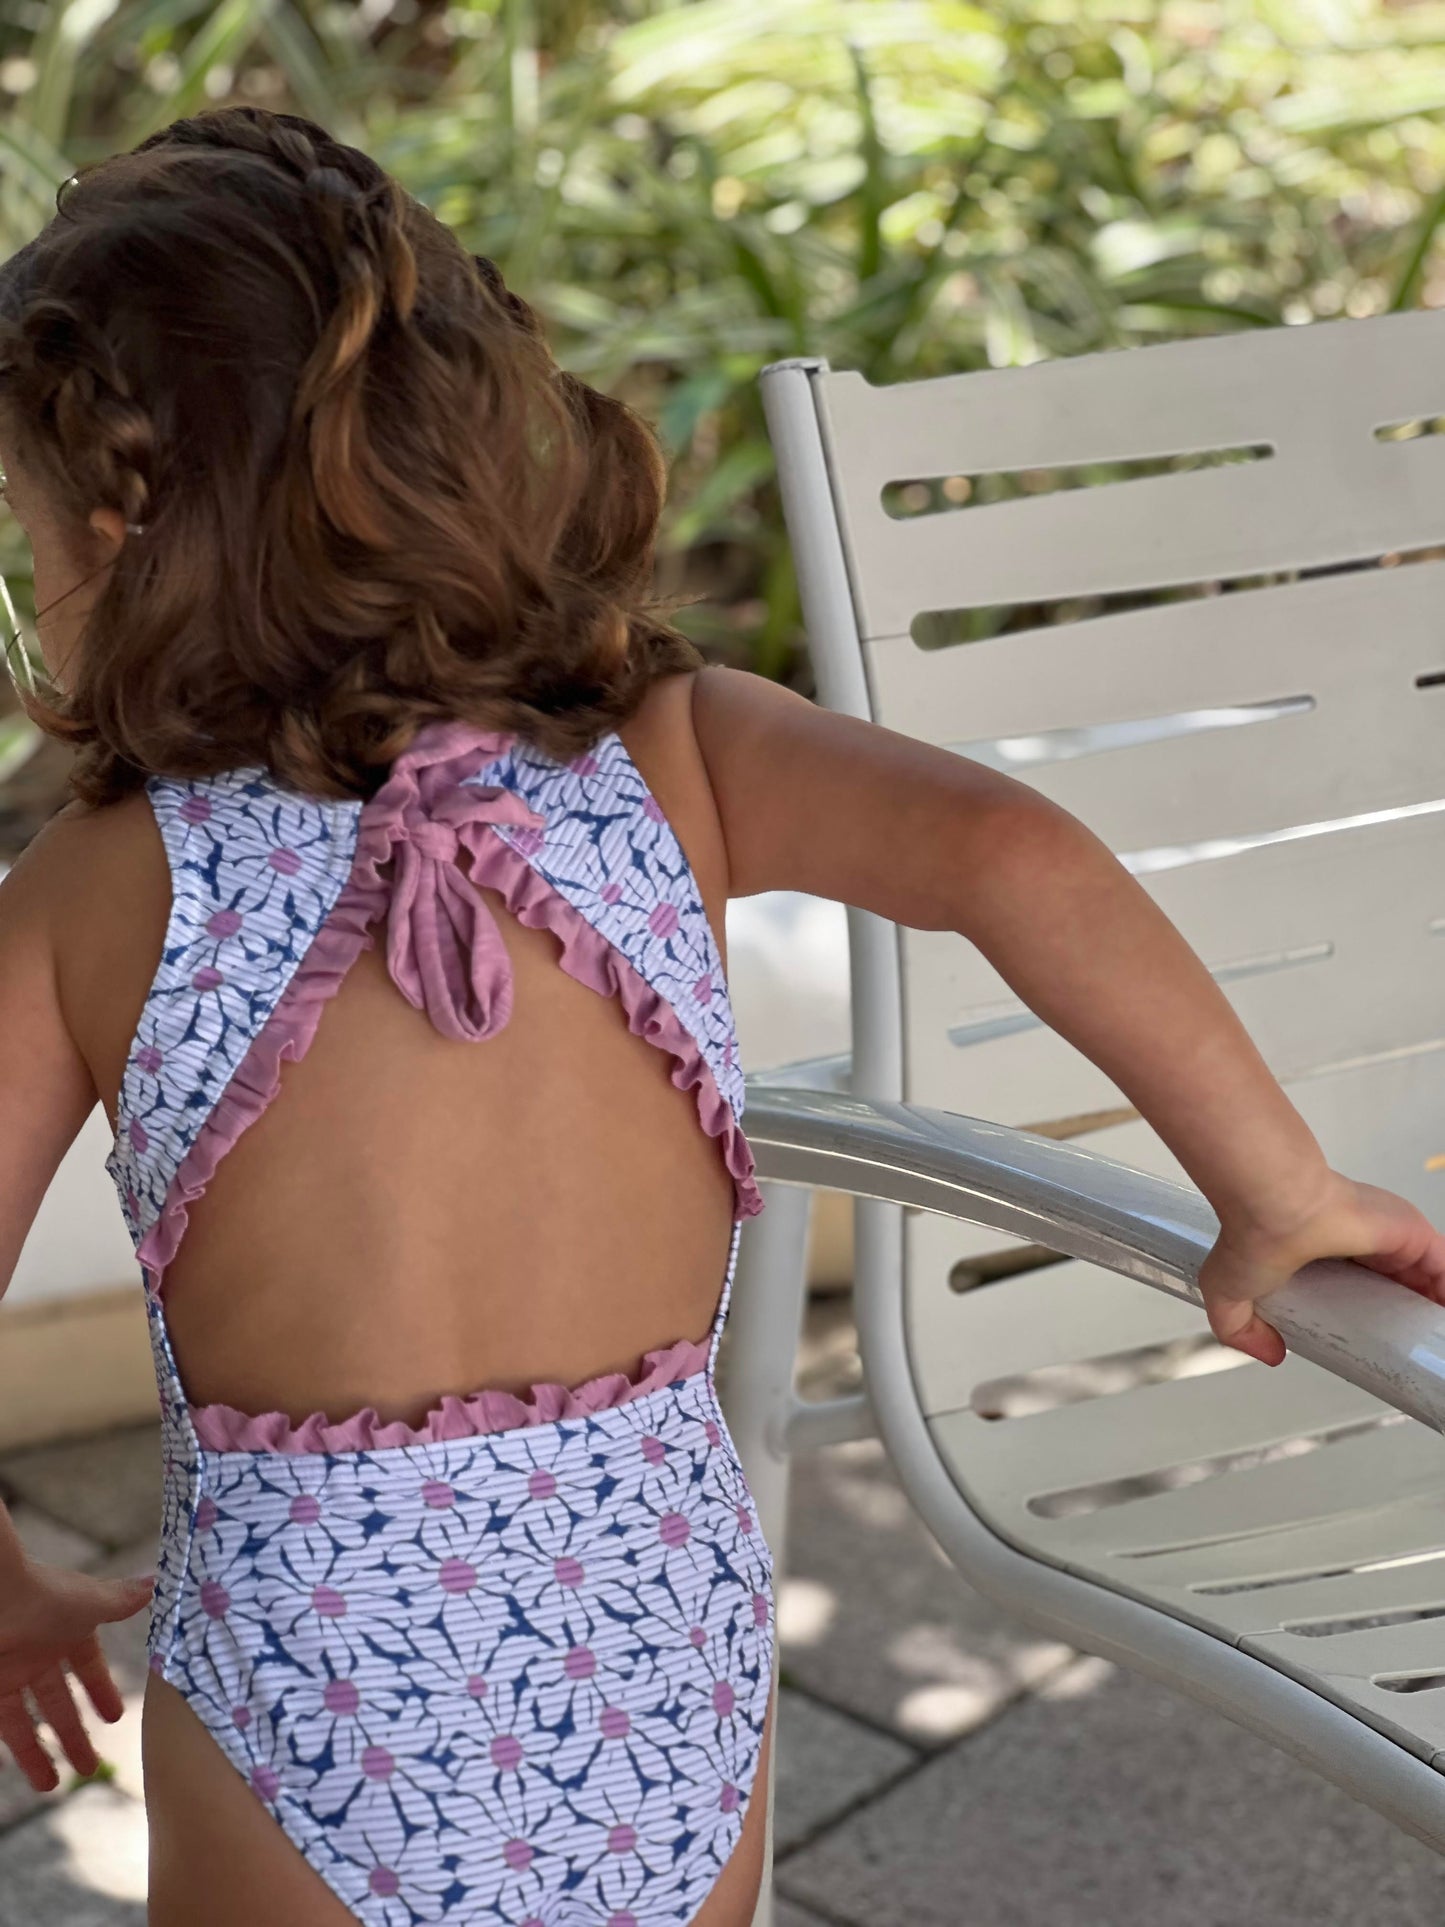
<point>688,189</point>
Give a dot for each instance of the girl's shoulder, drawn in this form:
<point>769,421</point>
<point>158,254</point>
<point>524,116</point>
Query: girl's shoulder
<point>92,892</point>
<point>661,740</point>
<point>114,846</point>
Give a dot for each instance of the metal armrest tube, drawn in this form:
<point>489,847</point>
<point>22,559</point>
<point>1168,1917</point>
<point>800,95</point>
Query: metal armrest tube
<point>1360,1326</point>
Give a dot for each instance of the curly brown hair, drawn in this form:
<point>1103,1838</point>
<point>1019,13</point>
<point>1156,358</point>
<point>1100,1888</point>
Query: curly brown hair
<point>360,494</point>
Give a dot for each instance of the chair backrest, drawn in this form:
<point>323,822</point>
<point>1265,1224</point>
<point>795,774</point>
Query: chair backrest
<point>1259,732</point>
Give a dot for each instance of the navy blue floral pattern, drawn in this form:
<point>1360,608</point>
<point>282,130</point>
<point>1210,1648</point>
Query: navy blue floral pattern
<point>255,871</point>
<point>513,1679</point>
<point>608,848</point>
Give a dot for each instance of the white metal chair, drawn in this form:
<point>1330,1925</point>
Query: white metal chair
<point>1269,762</point>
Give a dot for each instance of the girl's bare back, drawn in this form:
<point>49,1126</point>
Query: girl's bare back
<point>417,1218</point>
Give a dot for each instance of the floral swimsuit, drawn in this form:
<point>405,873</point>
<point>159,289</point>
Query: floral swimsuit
<point>510,1666</point>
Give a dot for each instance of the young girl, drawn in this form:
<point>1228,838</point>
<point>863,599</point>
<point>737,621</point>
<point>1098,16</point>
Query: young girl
<point>461,1613</point>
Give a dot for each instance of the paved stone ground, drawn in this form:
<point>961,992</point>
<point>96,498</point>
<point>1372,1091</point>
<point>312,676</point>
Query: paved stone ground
<point>940,1764</point>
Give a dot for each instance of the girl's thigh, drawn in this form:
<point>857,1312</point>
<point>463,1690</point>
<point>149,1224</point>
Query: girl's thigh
<point>217,1855</point>
<point>733,1901</point>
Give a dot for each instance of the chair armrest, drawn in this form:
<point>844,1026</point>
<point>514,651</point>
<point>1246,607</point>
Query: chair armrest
<point>1354,1323</point>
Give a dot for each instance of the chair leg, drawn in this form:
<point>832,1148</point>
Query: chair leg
<point>756,1388</point>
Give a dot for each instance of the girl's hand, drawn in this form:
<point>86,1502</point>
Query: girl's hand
<point>48,1618</point>
<point>1345,1220</point>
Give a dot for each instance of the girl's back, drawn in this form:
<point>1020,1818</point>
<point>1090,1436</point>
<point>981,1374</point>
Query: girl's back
<point>411,1220</point>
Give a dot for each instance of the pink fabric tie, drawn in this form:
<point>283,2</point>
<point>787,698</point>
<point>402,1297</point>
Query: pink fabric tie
<point>443,948</point>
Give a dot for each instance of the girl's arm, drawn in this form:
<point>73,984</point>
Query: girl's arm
<point>813,801</point>
<point>48,1617</point>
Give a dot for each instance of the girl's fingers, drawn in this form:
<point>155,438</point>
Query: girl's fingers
<point>17,1731</point>
<point>1235,1322</point>
<point>51,1692</point>
<point>88,1664</point>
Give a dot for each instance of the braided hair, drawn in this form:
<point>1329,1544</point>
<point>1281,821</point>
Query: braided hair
<point>359,493</point>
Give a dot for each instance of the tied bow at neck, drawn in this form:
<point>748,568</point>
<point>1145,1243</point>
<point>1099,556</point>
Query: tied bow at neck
<point>443,948</point>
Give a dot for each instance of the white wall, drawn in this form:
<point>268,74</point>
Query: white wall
<point>78,1242</point>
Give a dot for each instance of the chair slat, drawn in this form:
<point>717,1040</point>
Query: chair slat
<point>1353,1530</point>
<point>1329,492</point>
<point>1252,1501</point>
<point>1154,1428</point>
<point>1066,1315</point>
<point>1362,636</point>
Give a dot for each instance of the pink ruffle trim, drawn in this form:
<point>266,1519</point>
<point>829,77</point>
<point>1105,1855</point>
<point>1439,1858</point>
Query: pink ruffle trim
<point>221,1428</point>
<point>286,1037</point>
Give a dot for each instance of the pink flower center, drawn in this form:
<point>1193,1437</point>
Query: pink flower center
<point>377,1763</point>
<point>328,1602</point>
<point>341,1697</point>
<point>674,1530</point>
<point>457,1576</point>
<point>506,1752</point>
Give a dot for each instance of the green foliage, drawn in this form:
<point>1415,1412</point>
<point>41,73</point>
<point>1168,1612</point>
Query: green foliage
<point>907,187</point>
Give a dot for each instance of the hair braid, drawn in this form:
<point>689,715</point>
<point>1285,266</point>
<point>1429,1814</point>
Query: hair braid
<point>372,499</point>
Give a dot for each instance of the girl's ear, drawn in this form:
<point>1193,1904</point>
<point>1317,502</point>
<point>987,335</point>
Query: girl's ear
<point>109,525</point>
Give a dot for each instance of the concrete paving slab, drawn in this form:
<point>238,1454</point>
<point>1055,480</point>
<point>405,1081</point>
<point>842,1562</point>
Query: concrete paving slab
<point>18,1799</point>
<point>107,1488</point>
<point>785,1914</point>
<point>51,1542</point>
<point>827,1763</point>
<point>875,1621</point>
<point>80,1863</point>
<point>1110,1802</point>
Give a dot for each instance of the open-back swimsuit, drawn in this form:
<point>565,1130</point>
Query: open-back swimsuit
<point>511,1665</point>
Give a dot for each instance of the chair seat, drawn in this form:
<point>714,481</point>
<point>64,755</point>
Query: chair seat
<point>1283,1511</point>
